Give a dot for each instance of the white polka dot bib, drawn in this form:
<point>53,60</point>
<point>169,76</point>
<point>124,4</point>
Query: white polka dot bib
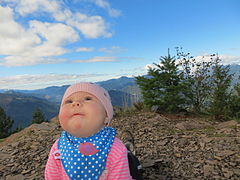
<point>85,158</point>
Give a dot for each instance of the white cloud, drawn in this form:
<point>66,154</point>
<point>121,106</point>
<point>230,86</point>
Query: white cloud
<point>97,59</point>
<point>226,59</point>
<point>11,61</point>
<point>104,4</point>
<point>26,7</point>
<point>54,33</point>
<point>147,66</point>
<point>38,41</point>
<point>39,81</point>
<point>14,39</point>
<point>113,49</point>
<point>84,49</point>
<point>106,59</point>
<point>24,47</point>
<point>90,26</point>
<point>36,45</point>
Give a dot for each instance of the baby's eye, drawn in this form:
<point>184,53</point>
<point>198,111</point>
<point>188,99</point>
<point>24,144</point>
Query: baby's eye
<point>88,98</point>
<point>68,101</point>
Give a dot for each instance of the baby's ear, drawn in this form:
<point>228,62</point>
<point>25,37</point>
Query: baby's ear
<point>106,121</point>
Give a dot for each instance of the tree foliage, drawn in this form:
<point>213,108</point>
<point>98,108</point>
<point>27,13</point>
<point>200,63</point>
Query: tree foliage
<point>202,85</point>
<point>38,117</point>
<point>221,93</point>
<point>164,86</point>
<point>198,74</point>
<point>5,124</point>
<point>235,102</point>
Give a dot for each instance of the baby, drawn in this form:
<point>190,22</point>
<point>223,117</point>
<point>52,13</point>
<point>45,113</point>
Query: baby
<point>88,148</point>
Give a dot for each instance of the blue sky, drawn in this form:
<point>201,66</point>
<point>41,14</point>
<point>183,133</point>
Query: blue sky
<point>57,42</point>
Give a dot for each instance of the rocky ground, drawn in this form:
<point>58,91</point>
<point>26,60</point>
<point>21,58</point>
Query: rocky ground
<point>169,147</point>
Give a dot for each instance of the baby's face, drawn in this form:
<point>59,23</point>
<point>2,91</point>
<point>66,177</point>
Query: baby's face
<point>82,114</point>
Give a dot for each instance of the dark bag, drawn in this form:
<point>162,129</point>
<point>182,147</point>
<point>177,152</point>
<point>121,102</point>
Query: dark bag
<point>134,166</point>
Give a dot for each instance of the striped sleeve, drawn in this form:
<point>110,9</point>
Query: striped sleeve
<point>54,169</point>
<point>117,162</point>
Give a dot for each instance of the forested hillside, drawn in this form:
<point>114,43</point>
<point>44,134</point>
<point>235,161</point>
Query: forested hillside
<point>20,108</point>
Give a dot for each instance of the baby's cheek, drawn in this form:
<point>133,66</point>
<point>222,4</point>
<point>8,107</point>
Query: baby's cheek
<point>63,116</point>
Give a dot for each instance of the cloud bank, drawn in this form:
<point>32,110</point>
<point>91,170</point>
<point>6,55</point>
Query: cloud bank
<point>39,81</point>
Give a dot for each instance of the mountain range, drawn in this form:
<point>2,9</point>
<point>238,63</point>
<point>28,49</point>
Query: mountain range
<point>117,87</point>
<point>20,104</point>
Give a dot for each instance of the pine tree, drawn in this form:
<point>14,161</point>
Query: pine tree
<point>221,93</point>
<point>5,124</point>
<point>38,117</point>
<point>164,87</point>
<point>235,102</point>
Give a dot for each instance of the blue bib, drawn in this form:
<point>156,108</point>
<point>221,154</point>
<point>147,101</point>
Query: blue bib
<point>85,158</point>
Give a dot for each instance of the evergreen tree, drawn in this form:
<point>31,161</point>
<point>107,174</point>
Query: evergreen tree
<point>38,117</point>
<point>164,87</point>
<point>5,124</point>
<point>221,93</point>
<point>235,102</point>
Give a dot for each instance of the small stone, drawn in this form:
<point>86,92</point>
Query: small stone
<point>16,177</point>
<point>227,124</point>
<point>26,171</point>
<point>178,155</point>
<point>207,170</point>
<point>10,165</point>
<point>228,174</point>
<point>14,152</point>
<point>217,157</point>
<point>236,171</point>
<point>225,153</point>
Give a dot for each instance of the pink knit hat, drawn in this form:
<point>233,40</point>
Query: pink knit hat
<point>95,90</point>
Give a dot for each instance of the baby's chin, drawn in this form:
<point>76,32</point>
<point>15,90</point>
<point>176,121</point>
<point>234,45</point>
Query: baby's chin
<point>79,135</point>
<point>84,134</point>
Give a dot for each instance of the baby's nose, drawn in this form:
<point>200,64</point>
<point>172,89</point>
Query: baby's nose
<point>77,103</point>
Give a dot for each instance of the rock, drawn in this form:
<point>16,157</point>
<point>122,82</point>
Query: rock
<point>154,108</point>
<point>225,153</point>
<point>42,126</point>
<point>227,124</point>
<point>167,147</point>
<point>15,144</point>
<point>178,155</point>
<point>207,170</point>
<point>25,171</point>
<point>139,145</point>
<point>148,163</point>
<point>189,125</point>
<point>218,158</point>
<point>207,139</point>
<point>237,172</point>
<point>227,173</point>
<point>16,177</point>
<point>14,152</point>
<point>4,155</point>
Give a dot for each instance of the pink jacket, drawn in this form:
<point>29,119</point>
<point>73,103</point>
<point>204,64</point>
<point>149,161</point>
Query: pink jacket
<point>117,167</point>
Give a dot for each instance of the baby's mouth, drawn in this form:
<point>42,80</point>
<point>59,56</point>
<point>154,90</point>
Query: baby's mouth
<point>78,114</point>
